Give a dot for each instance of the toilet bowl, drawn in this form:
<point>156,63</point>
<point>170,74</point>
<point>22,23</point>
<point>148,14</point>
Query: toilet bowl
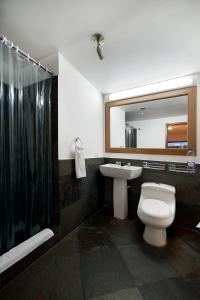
<point>156,209</point>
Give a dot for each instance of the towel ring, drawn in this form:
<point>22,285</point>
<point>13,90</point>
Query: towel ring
<point>78,140</point>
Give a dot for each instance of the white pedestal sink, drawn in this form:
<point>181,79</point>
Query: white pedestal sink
<point>120,175</point>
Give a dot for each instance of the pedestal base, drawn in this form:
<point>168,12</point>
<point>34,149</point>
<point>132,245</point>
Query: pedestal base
<point>120,201</point>
<point>155,236</point>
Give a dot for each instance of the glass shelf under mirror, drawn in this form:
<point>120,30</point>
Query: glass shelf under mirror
<point>181,168</point>
<point>154,165</point>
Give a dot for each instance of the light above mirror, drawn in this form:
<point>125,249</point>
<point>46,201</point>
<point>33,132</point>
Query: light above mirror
<point>154,87</point>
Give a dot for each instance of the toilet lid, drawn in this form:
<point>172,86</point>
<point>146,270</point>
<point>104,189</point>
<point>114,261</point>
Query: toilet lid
<point>155,208</point>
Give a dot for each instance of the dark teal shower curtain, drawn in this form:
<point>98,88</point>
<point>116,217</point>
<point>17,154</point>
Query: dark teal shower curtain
<point>25,148</point>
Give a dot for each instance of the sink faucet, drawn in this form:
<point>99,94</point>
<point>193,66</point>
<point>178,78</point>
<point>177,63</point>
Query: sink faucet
<point>119,163</point>
<point>145,164</point>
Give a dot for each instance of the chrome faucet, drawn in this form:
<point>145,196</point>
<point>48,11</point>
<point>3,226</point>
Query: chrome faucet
<point>145,164</point>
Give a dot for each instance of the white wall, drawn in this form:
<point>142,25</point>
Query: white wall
<point>51,62</point>
<point>175,158</point>
<point>80,113</point>
<point>152,133</point>
<point>117,127</point>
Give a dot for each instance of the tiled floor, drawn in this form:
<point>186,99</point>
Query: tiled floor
<point>106,259</point>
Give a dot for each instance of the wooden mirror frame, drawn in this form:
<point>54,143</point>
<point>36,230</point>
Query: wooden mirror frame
<point>191,92</point>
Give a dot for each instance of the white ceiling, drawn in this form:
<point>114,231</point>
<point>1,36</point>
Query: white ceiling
<point>145,41</point>
<point>169,107</point>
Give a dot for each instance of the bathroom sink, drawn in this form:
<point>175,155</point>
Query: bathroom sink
<point>120,176</point>
<point>117,171</point>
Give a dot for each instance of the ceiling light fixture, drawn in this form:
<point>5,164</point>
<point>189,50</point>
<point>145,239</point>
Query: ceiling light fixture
<point>98,40</point>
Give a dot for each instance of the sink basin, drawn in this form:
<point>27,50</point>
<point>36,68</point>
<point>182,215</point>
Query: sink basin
<point>124,172</point>
<point>120,175</point>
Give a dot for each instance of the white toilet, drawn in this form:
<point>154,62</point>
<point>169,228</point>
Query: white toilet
<point>156,209</point>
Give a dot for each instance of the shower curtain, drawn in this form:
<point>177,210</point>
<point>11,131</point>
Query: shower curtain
<point>25,148</point>
<point>130,136</point>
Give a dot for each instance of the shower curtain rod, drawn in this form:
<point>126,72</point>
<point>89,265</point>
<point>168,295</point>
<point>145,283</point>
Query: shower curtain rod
<point>2,37</point>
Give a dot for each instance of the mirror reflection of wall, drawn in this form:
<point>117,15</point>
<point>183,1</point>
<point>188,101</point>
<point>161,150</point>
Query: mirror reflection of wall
<point>144,124</point>
<point>117,127</point>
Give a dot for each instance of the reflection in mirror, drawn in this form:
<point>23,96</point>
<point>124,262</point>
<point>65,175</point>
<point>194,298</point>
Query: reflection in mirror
<point>177,135</point>
<point>151,124</point>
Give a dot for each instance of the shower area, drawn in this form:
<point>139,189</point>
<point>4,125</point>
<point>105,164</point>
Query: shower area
<point>130,136</point>
<point>26,204</point>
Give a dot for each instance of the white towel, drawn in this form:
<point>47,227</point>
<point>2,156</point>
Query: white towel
<point>79,161</point>
<point>20,251</point>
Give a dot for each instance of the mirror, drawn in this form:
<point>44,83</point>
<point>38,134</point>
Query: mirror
<point>161,123</point>
<point>143,125</point>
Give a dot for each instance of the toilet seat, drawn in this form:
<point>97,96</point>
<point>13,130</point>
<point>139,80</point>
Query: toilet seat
<point>155,208</point>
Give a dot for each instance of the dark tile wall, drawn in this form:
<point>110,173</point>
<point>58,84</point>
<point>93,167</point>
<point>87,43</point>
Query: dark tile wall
<point>78,197</point>
<point>74,198</point>
<point>187,191</point>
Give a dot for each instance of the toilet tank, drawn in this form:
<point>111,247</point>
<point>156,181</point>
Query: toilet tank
<point>159,191</point>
